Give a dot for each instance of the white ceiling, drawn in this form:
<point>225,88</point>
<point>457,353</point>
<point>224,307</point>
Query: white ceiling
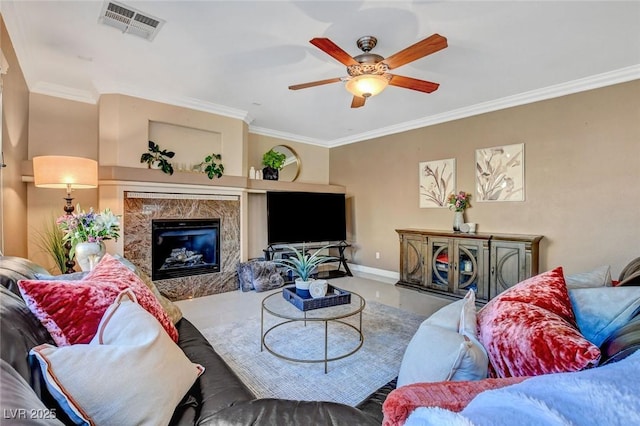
<point>237,58</point>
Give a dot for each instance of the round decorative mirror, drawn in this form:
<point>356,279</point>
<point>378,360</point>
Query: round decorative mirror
<point>291,168</point>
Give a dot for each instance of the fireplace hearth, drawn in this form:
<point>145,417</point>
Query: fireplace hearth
<point>184,247</point>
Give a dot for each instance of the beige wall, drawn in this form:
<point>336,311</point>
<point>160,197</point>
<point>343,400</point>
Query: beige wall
<point>314,160</point>
<point>314,168</point>
<point>15,137</point>
<point>582,177</point>
<point>124,133</point>
<point>58,127</point>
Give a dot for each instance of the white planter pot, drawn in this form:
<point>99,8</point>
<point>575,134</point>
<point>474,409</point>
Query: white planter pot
<point>302,287</point>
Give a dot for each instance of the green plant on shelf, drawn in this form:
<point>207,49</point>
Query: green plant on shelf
<point>273,159</point>
<point>211,168</point>
<point>157,158</point>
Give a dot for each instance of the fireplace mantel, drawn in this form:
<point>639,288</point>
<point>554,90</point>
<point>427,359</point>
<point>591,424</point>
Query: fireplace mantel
<point>136,174</point>
<point>110,174</point>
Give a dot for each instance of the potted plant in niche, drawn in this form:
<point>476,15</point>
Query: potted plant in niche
<point>272,161</point>
<point>303,264</point>
<point>157,158</point>
<point>211,168</point>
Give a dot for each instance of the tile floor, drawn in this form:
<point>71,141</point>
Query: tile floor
<point>234,306</point>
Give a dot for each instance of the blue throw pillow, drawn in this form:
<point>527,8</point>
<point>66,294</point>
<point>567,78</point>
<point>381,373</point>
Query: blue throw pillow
<point>601,311</point>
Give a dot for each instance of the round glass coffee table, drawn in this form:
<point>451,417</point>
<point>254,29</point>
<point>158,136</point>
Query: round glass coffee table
<point>277,306</point>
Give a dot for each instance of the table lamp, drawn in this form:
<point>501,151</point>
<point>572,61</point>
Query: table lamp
<point>63,172</point>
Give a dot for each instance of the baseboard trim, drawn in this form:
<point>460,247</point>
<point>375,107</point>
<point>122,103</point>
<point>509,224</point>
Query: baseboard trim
<point>385,275</point>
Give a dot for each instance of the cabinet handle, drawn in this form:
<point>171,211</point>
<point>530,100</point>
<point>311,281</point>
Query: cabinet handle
<point>493,270</point>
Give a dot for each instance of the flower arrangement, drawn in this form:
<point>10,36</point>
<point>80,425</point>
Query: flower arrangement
<point>459,202</point>
<point>91,227</point>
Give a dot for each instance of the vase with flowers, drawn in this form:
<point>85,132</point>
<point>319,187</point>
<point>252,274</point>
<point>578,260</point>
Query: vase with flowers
<point>86,232</point>
<point>459,203</point>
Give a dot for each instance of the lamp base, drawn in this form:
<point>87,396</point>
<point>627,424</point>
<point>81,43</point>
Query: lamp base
<point>69,262</point>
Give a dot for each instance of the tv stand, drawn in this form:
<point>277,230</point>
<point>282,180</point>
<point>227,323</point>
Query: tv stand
<point>277,251</point>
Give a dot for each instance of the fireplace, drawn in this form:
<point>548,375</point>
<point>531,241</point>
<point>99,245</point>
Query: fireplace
<point>184,247</point>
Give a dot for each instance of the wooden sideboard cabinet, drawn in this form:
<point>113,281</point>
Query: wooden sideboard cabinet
<point>451,263</point>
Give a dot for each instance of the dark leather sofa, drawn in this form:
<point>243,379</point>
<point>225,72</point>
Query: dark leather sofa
<point>217,398</point>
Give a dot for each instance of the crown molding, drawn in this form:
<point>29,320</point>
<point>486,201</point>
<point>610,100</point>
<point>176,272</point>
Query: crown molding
<point>622,75</point>
<point>588,83</point>
<point>64,92</point>
<point>287,136</point>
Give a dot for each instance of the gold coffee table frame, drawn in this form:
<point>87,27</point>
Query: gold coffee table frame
<point>277,306</point>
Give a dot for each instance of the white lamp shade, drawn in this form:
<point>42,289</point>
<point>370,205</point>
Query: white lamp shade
<point>57,171</point>
<point>367,85</point>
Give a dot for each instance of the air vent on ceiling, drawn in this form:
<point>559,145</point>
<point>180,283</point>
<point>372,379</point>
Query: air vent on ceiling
<point>130,20</point>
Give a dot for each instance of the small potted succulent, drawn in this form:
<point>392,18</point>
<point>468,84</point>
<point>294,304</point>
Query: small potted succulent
<point>157,158</point>
<point>272,161</point>
<point>303,265</point>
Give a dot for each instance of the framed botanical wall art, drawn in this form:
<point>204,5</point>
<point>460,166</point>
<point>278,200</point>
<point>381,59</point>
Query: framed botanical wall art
<point>500,173</point>
<point>437,181</point>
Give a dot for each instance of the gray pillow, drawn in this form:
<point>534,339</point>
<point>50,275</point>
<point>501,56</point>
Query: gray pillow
<point>74,276</point>
<point>259,275</point>
<point>599,277</point>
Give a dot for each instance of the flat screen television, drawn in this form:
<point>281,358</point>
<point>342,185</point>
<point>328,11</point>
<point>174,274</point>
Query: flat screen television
<point>305,217</point>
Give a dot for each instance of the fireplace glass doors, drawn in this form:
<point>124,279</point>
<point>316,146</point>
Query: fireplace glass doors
<point>183,247</point>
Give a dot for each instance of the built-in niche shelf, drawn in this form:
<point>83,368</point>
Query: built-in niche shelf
<point>269,185</point>
<point>139,174</point>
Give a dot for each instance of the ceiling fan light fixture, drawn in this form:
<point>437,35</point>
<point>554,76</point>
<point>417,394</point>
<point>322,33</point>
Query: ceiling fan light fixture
<point>367,85</point>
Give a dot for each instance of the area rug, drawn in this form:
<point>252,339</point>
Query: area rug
<point>387,331</point>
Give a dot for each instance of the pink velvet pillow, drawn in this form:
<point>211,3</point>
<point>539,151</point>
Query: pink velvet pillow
<point>71,310</point>
<point>530,329</point>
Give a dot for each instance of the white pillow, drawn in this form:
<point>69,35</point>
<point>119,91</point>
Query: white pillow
<point>441,351</point>
<point>130,373</point>
<point>448,316</point>
<point>599,277</point>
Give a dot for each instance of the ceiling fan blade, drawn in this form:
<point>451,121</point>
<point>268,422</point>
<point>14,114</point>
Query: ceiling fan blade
<point>314,83</point>
<point>333,50</point>
<point>418,50</point>
<point>413,83</point>
<point>357,102</point>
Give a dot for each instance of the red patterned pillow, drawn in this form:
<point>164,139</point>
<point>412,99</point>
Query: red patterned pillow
<point>530,329</point>
<point>71,310</point>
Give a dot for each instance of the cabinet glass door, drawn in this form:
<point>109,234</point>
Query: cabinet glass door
<point>467,267</point>
<point>439,269</point>
<point>412,269</point>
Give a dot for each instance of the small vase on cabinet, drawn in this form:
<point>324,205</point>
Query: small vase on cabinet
<point>89,254</point>
<point>458,220</point>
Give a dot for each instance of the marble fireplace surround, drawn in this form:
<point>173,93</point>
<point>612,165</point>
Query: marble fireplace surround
<point>140,203</point>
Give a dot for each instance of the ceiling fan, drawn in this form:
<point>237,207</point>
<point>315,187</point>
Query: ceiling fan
<point>368,72</point>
